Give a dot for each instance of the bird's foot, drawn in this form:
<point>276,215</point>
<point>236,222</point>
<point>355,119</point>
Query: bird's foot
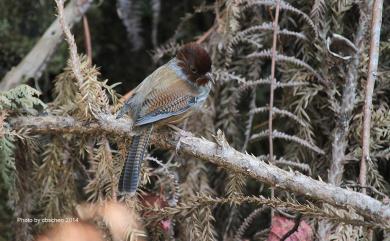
<point>182,134</point>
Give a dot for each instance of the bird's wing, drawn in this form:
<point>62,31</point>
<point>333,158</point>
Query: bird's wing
<point>161,95</point>
<point>134,102</point>
<point>174,108</point>
<point>168,96</point>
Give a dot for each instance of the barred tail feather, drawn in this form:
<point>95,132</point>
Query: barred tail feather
<point>128,181</point>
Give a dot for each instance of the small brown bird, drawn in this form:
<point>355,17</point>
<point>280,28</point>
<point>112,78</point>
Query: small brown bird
<point>167,96</point>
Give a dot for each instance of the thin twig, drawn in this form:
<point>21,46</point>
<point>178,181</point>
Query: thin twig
<point>272,89</point>
<point>372,72</point>
<point>204,36</point>
<point>88,42</point>
<point>272,86</point>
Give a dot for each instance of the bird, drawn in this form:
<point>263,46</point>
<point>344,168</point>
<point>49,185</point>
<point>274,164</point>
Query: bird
<point>167,96</point>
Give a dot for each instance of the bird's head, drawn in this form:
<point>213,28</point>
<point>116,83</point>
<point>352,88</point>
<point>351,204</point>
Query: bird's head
<point>195,63</point>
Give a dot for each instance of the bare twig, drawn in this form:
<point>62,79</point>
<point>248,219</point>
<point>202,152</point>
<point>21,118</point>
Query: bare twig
<point>36,60</point>
<point>204,36</point>
<point>221,154</point>
<point>272,86</point>
<point>272,89</point>
<point>372,72</point>
<point>87,36</point>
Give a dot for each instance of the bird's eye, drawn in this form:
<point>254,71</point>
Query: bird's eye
<point>193,70</point>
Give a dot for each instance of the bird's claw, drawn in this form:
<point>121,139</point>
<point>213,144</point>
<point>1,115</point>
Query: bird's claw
<point>182,133</point>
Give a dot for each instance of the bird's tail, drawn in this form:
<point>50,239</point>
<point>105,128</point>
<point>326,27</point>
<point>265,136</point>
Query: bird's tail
<point>128,181</point>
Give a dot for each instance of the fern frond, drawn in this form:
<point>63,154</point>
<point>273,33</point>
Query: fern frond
<point>278,84</point>
<point>252,42</point>
<point>281,161</point>
<point>56,176</point>
<point>87,100</point>
<point>7,159</point>
<point>247,4</point>
<point>280,112</point>
<point>376,179</point>
<point>285,136</point>
<point>22,97</point>
<point>233,16</point>
<point>248,221</point>
<point>65,92</point>
<point>290,59</point>
<point>242,35</point>
<point>302,166</point>
<point>245,84</point>
<point>235,184</point>
<point>348,232</point>
<point>202,225</point>
<point>169,49</point>
<point>130,14</point>
<point>103,182</point>
<point>318,10</point>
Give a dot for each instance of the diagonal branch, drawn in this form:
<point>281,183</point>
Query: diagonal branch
<point>36,60</point>
<point>221,154</point>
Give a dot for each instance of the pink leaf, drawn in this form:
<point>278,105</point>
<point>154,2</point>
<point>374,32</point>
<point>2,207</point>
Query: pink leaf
<point>281,225</point>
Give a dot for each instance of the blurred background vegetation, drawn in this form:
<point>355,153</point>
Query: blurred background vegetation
<point>23,22</point>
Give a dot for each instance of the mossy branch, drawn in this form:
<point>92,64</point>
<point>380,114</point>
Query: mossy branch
<point>221,154</point>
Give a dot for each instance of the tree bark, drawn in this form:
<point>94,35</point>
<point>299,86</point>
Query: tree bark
<point>221,154</point>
